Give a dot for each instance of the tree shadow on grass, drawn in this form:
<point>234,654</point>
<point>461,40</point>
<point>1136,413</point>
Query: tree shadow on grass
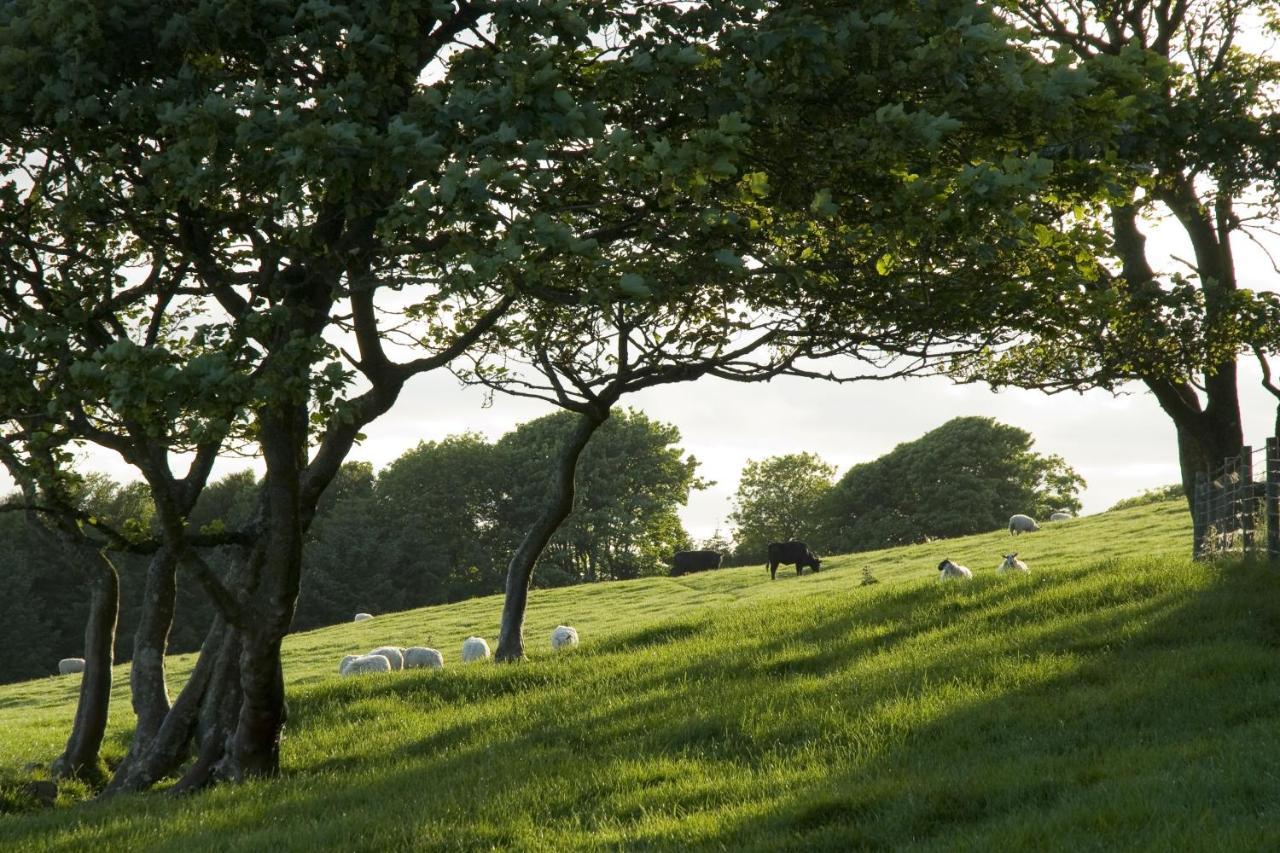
<point>1122,728</point>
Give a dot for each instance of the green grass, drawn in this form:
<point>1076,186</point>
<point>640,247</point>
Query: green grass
<point>1120,697</point>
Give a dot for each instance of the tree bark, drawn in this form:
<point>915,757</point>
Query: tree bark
<point>149,690</point>
<point>215,724</point>
<point>275,572</point>
<point>558,505</point>
<point>80,759</point>
<point>166,750</point>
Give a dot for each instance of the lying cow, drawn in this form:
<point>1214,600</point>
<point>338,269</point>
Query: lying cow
<point>695,561</point>
<point>795,552</point>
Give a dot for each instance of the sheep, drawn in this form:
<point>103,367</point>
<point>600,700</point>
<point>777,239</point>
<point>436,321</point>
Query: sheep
<point>420,657</point>
<point>1012,564</point>
<point>1059,515</point>
<point>948,570</point>
<point>393,654</point>
<point>1022,524</point>
<point>67,666</point>
<point>366,664</point>
<point>342,667</point>
<point>474,648</point>
<point>564,637</point>
<point>362,617</point>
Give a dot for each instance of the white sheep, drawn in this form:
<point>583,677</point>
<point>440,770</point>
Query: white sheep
<point>1022,524</point>
<point>948,570</point>
<point>564,637</point>
<point>1012,564</point>
<point>67,666</point>
<point>362,617</point>
<point>342,667</point>
<point>366,664</point>
<point>474,648</point>
<point>1060,515</point>
<point>393,654</point>
<point>421,657</point>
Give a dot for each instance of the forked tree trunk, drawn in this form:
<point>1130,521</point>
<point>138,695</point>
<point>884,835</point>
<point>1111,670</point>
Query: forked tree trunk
<point>171,744</point>
<point>558,505</point>
<point>80,759</point>
<point>216,719</point>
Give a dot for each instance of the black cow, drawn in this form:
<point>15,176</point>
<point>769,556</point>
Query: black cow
<point>696,561</point>
<point>794,551</point>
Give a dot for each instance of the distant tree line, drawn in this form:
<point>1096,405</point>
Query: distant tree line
<point>436,525</point>
<point>967,476</point>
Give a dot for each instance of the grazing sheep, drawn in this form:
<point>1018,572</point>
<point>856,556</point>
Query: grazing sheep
<point>948,570</point>
<point>563,637</point>
<point>366,664</point>
<point>342,667</point>
<point>1060,515</point>
<point>361,617</point>
<point>474,648</point>
<point>1022,524</point>
<point>421,657</point>
<point>1012,564</point>
<point>67,666</point>
<point>393,654</point>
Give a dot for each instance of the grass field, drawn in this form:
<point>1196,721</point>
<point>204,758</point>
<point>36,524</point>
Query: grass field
<point>1120,697</point>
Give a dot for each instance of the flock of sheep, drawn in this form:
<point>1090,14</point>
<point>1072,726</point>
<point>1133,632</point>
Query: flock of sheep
<point>1018,524</point>
<point>392,658</point>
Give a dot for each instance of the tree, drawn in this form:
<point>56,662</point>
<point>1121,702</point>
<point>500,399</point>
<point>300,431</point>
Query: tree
<point>200,197</point>
<point>967,476</point>
<point>1196,141</point>
<point>630,481</point>
<point>811,201</point>
<point>437,519</point>
<point>778,499</point>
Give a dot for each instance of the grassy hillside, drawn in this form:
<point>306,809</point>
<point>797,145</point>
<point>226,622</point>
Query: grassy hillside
<point>1120,696</point>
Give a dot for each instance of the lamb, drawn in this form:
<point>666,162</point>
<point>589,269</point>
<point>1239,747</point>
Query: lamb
<point>393,654</point>
<point>474,648</point>
<point>1059,515</point>
<point>361,617</point>
<point>1022,524</point>
<point>421,657</point>
<point>366,664</point>
<point>1012,564</point>
<point>948,570</point>
<point>67,666</point>
<point>564,637</point>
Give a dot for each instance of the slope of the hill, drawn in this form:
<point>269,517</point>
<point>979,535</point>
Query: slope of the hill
<point>1120,696</point>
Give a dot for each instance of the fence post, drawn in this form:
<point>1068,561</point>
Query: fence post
<point>1246,503</point>
<point>1199,515</point>
<point>1273,498</point>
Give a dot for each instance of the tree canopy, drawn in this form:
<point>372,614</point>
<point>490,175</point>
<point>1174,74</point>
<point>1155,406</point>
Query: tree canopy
<point>967,476</point>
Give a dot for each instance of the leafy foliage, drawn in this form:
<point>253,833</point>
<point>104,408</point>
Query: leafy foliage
<point>968,475</point>
<point>778,499</point>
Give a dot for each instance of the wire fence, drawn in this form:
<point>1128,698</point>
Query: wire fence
<point>1236,509</point>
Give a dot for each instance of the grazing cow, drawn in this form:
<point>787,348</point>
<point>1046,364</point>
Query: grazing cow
<point>795,552</point>
<point>695,561</point>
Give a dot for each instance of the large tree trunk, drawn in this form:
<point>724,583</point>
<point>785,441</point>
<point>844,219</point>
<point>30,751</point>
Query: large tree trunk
<point>80,758</point>
<point>275,580</point>
<point>559,503</point>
